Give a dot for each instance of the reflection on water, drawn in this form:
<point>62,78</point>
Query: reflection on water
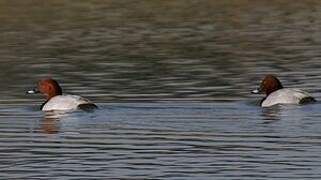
<point>50,122</point>
<point>272,113</point>
<point>173,81</point>
<point>162,141</point>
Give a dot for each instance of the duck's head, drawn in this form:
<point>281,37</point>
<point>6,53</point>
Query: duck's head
<point>268,85</point>
<point>48,87</point>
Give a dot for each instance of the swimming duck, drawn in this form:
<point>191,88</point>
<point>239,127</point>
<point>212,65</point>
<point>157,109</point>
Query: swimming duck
<point>55,100</point>
<point>277,94</point>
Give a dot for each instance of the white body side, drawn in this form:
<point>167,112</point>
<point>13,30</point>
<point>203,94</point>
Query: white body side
<point>65,102</point>
<point>285,96</point>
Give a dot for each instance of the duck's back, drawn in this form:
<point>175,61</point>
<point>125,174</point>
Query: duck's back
<point>65,102</point>
<point>287,96</point>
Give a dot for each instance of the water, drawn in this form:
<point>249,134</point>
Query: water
<point>172,80</point>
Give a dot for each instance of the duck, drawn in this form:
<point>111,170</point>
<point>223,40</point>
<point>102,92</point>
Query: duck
<point>277,94</point>
<point>56,100</point>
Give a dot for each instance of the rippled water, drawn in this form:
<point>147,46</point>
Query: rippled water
<point>172,82</point>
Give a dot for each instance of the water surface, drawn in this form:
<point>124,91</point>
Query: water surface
<point>172,80</point>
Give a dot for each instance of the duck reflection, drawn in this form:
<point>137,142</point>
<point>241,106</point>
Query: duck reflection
<point>271,114</point>
<point>50,123</point>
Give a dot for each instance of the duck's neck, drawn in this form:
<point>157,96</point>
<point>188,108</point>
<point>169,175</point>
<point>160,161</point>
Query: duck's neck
<point>55,92</point>
<point>273,90</point>
<point>43,104</point>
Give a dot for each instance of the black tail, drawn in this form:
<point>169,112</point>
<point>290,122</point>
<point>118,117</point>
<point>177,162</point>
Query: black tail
<point>307,100</point>
<point>87,107</point>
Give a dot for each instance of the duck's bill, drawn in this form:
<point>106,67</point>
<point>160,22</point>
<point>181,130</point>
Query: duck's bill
<point>34,91</point>
<point>256,91</point>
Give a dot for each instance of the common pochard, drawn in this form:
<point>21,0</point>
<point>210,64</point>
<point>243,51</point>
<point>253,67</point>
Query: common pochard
<point>276,94</point>
<point>55,100</point>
